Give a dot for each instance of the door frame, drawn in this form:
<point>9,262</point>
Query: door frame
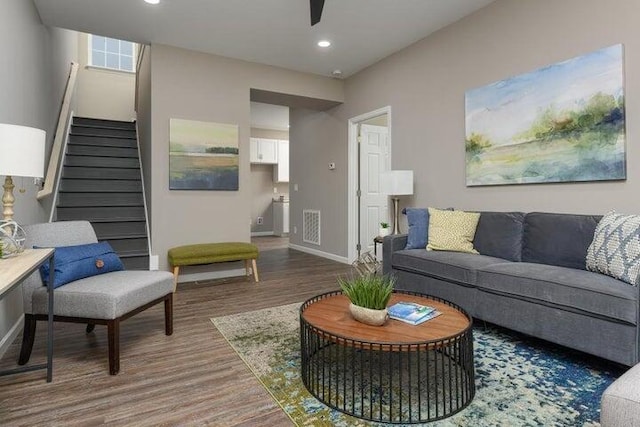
<point>352,208</point>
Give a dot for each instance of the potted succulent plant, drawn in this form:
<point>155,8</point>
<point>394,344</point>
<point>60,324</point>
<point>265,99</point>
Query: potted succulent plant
<point>369,295</point>
<point>384,229</point>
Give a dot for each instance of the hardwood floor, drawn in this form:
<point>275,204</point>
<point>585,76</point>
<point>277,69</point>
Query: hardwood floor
<point>190,378</point>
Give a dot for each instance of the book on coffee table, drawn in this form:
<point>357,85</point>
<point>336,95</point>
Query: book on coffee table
<point>412,313</point>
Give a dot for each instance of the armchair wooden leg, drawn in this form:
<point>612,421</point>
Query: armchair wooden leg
<point>90,327</point>
<point>113,332</point>
<point>168,315</point>
<point>28,336</point>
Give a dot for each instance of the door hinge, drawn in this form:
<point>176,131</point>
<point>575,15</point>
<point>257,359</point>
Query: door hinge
<point>358,247</point>
<point>358,193</point>
<point>359,139</point>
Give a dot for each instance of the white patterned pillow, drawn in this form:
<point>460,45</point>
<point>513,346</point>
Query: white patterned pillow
<point>615,250</point>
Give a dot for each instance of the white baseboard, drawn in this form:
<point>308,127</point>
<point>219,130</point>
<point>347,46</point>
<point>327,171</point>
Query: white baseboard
<point>7,340</point>
<point>333,257</point>
<point>261,233</point>
<point>211,275</point>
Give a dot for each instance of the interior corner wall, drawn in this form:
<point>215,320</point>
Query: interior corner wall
<point>317,139</point>
<point>103,93</point>
<point>32,79</point>
<point>196,86</point>
<point>425,86</point>
<point>143,114</point>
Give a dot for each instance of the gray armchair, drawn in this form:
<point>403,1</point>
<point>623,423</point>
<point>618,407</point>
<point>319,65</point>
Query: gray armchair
<point>106,299</point>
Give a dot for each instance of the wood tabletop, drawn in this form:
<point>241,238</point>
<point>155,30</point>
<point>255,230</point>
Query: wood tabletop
<point>331,315</point>
<point>16,268</point>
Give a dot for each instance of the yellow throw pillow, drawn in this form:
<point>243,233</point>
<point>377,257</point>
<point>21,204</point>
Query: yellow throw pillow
<point>452,230</point>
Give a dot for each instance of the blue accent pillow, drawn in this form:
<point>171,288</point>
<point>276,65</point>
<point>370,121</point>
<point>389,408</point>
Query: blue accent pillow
<point>77,262</point>
<point>418,234</point>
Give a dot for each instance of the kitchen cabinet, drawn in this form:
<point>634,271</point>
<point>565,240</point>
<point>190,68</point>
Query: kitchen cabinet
<point>281,169</point>
<point>263,150</point>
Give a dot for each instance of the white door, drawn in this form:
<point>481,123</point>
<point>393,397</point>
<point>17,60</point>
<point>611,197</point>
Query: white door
<point>374,159</point>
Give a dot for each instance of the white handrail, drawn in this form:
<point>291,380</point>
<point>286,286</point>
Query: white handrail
<point>61,130</point>
<point>142,50</point>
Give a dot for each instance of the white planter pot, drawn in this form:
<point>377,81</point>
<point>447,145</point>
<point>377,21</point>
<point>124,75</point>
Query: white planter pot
<point>368,316</point>
<point>384,231</point>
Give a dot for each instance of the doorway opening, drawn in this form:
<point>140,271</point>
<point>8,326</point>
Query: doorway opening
<point>369,155</point>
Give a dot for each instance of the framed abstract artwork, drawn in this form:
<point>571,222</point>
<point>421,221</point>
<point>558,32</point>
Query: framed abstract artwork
<point>203,155</point>
<point>561,123</point>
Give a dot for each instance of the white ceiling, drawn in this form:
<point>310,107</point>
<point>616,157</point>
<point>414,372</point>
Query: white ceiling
<point>267,116</point>
<point>274,32</point>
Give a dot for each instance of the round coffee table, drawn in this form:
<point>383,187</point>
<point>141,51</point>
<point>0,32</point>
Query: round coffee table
<point>395,373</point>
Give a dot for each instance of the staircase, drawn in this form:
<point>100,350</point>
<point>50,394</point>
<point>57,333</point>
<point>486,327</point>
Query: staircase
<point>101,183</point>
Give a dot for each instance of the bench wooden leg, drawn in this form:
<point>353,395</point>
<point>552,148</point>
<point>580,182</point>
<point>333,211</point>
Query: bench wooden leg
<point>176,271</point>
<point>255,270</point>
<point>247,266</point>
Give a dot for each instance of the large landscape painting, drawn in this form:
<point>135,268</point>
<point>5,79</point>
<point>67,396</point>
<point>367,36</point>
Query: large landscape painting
<point>561,123</point>
<point>202,155</point>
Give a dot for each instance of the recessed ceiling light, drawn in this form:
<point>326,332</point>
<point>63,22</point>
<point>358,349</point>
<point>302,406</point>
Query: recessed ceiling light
<point>336,73</point>
<point>152,1</point>
<point>324,43</point>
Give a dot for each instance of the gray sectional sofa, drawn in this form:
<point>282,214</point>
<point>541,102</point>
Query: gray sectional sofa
<point>530,277</point>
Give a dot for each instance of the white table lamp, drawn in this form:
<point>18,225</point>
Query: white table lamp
<point>21,154</point>
<point>396,183</point>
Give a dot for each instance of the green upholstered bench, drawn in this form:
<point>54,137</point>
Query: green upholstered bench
<point>210,253</point>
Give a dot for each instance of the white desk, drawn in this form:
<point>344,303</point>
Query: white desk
<point>12,272</point>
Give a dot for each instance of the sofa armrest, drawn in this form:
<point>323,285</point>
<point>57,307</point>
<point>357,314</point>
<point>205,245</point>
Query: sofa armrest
<point>390,244</point>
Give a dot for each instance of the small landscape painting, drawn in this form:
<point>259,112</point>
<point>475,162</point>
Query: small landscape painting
<point>203,155</point>
<point>561,123</point>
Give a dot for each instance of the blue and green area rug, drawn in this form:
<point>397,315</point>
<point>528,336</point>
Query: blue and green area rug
<point>519,381</point>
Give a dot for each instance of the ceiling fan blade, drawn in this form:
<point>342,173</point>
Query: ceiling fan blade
<point>316,10</point>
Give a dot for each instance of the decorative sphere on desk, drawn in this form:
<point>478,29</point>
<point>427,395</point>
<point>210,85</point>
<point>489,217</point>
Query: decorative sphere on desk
<point>12,238</point>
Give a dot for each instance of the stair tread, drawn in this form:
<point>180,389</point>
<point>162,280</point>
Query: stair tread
<point>120,219</point>
<point>96,126</point>
<point>103,136</point>
<point>131,254</point>
<point>122,236</point>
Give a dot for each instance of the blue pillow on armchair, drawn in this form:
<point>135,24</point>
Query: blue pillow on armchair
<point>418,220</point>
<point>77,262</point>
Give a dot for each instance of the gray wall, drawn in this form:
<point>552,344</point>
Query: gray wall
<point>32,79</point>
<point>316,140</point>
<point>196,86</point>
<point>425,85</point>
<point>262,185</point>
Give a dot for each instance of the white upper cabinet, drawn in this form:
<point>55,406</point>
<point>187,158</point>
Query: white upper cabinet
<point>281,170</point>
<point>263,150</point>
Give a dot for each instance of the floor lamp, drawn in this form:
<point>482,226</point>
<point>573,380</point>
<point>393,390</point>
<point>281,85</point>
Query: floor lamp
<point>396,183</point>
<point>21,154</point>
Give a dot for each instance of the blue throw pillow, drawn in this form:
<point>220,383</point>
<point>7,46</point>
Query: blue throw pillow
<point>418,220</point>
<point>77,262</point>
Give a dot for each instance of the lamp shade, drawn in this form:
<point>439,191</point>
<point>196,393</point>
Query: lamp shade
<point>21,151</point>
<point>396,183</point>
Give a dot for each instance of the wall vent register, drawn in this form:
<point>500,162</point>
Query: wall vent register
<point>311,226</point>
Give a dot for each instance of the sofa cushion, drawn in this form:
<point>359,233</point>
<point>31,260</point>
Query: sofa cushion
<point>615,250</point>
<point>79,261</point>
<point>418,222</point>
<point>458,267</point>
<point>558,239</point>
<point>452,230</point>
<point>499,234</point>
<point>585,291</point>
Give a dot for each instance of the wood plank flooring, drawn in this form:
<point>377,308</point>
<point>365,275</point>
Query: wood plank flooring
<point>190,378</point>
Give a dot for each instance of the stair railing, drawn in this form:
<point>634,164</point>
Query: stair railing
<point>60,136</point>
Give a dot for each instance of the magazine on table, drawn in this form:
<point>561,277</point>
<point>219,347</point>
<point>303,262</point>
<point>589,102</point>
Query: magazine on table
<point>412,313</point>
